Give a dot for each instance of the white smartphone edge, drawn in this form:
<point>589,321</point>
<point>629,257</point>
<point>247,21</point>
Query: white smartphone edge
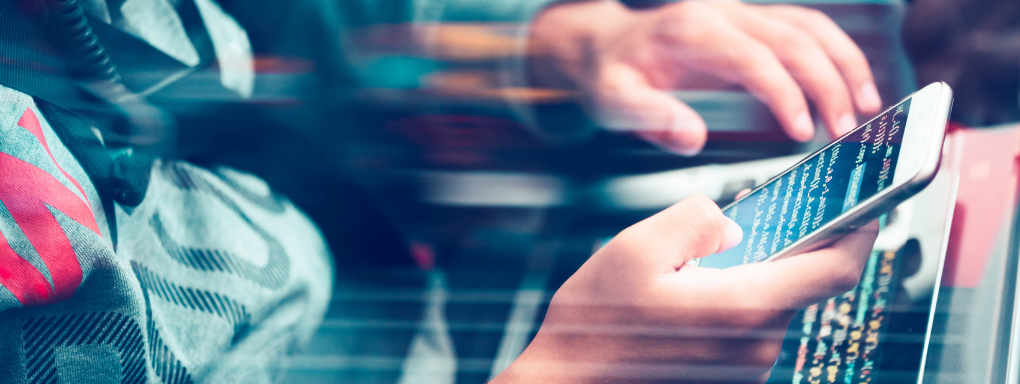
<point>938,278</point>
<point>929,113</point>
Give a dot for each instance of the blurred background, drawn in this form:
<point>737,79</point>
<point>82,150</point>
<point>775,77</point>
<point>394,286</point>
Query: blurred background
<point>452,220</point>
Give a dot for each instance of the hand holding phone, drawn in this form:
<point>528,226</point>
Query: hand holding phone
<point>635,313</point>
<point>855,179</point>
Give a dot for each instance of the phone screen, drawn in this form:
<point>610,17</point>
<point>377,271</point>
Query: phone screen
<point>803,199</point>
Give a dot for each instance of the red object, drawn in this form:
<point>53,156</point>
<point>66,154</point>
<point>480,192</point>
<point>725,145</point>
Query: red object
<point>985,202</point>
<point>33,197</point>
<point>424,256</point>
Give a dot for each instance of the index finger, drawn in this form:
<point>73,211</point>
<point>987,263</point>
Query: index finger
<point>842,50</point>
<point>724,50</point>
<point>759,70</point>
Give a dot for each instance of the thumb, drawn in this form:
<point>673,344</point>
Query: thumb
<point>798,281</point>
<point>664,242</point>
<point>625,101</point>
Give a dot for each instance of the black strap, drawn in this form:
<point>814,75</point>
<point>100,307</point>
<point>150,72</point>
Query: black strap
<point>31,64</point>
<point>40,40</point>
<point>123,178</point>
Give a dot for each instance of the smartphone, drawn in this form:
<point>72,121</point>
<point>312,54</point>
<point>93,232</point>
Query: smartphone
<point>848,183</point>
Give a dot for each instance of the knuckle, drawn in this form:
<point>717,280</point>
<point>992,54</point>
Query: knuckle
<point>790,41</point>
<point>625,242</point>
<point>692,8</point>
<point>759,62</point>
<point>698,219</point>
<point>800,43</point>
<point>783,8</point>
<point>700,240</point>
<point>808,15</point>
<point>818,18</point>
<point>757,49</point>
<point>688,23</point>
<point>803,16</point>
<point>703,208</point>
<point>701,200</point>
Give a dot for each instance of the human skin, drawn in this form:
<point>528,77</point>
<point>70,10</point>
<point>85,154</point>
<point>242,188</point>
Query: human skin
<point>625,61</point>
<point>635,312</point>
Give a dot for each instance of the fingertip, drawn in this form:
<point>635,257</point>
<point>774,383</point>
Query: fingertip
<point>686,135</point>
<point>689,129</point>
<point>803,128</point>
<point>688,152</point>
<point>732,236</point>
<point>846,124</point>
<point>671,141</point>
<point>868,99</point>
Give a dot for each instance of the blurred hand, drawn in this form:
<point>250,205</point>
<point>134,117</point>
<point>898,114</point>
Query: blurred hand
<point>636,312</point>
<point>625,62</point>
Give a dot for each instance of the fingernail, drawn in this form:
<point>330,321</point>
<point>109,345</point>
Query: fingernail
<point>868,97</point>
<point>681,124</point>
<point>689,152</point>
<point>732,236</point>
<point>682,120</point>
<point>847,123</point>
<point>803,124</point>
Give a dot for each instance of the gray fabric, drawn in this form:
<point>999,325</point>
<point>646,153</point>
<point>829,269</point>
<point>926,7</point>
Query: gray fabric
<point>20,244</point>
<point>214,278</point>
<point>431,358</point>
<point>233,50</point>
<point>88,364</point>
<point>156,22</point>
<point>231,279</point>
<point>7,299</point>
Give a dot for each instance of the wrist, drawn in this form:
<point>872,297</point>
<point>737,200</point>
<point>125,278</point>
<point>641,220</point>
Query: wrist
<point>543,361</point>
<point>562,349</point>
